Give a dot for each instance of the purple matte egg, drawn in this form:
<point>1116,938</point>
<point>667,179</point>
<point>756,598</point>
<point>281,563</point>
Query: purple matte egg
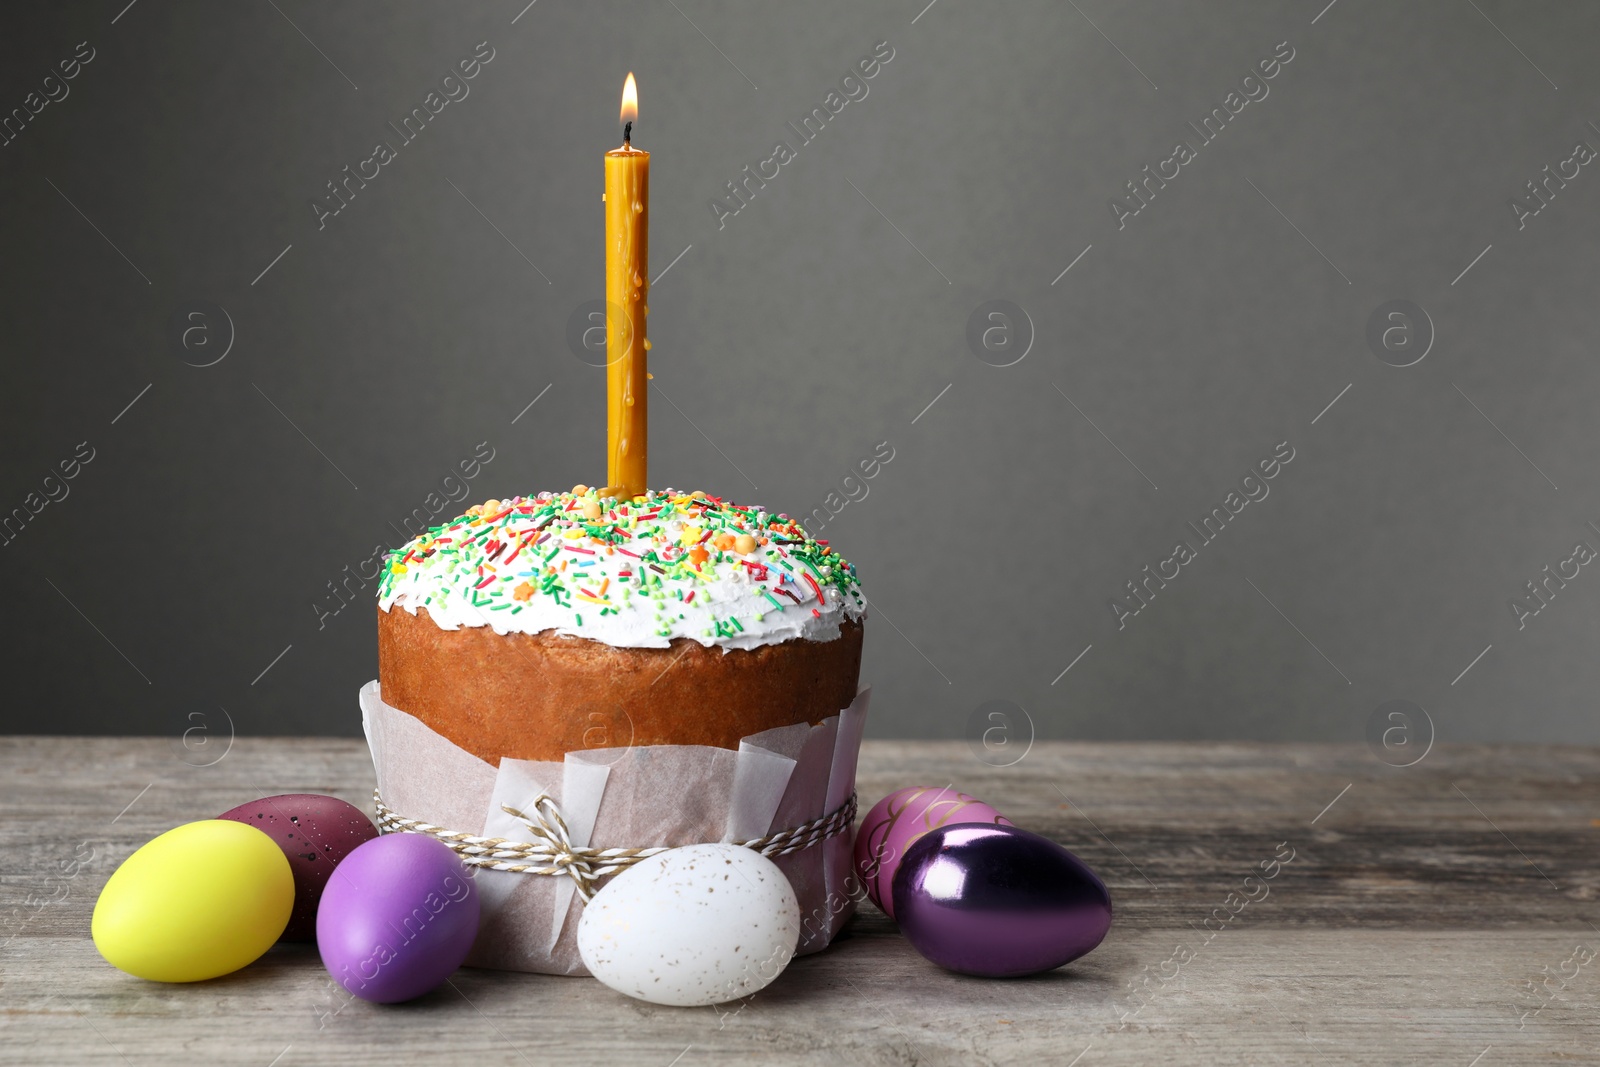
<point>397,918</point>
<point>998,901</point>
<point>315,833</point>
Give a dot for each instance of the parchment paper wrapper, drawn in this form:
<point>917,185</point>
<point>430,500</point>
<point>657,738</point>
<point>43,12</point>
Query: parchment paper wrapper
<point>636,797</point>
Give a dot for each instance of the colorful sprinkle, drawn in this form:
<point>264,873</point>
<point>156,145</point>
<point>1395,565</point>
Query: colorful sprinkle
<point>690,550</point>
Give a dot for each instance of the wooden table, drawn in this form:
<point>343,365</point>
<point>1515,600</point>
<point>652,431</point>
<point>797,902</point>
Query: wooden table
<point>1443,913</point>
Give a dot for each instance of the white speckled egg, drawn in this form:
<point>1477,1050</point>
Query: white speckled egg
<point>695,925</point>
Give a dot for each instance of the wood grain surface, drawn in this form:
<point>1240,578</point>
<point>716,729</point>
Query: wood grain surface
<point>1444,913</point>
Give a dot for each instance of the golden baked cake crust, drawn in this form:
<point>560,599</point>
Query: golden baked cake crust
<point>539,696</point>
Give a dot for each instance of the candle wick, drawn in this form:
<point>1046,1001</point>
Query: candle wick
<point>627,133</point>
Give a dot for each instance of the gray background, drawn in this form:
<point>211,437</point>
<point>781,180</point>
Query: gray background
<point>378,351</point>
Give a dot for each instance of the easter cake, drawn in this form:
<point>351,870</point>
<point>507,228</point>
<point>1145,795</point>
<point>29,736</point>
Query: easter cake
<point>536,626</point>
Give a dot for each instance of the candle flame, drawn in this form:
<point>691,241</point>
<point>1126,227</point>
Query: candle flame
<point>630,100</point>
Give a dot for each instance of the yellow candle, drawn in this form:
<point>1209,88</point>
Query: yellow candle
<point>627,289</point>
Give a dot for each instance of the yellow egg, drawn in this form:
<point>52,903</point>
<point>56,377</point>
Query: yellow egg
<point>199,901</point>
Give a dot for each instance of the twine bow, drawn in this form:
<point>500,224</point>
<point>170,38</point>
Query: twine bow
<point>552,853</point>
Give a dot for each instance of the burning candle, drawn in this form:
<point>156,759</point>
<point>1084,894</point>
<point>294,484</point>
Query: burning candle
<point>627,200</point>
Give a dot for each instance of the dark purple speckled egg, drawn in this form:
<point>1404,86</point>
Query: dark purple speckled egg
<point>315,832</point>
<point>998,901</point>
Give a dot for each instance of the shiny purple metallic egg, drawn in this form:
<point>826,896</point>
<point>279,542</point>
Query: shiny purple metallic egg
<point>997,901</point>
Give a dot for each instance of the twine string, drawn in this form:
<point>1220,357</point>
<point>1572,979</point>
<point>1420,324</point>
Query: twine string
<point>552,853</point>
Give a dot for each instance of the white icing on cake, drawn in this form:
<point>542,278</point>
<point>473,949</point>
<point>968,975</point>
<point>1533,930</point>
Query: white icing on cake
<point>633,574</point>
